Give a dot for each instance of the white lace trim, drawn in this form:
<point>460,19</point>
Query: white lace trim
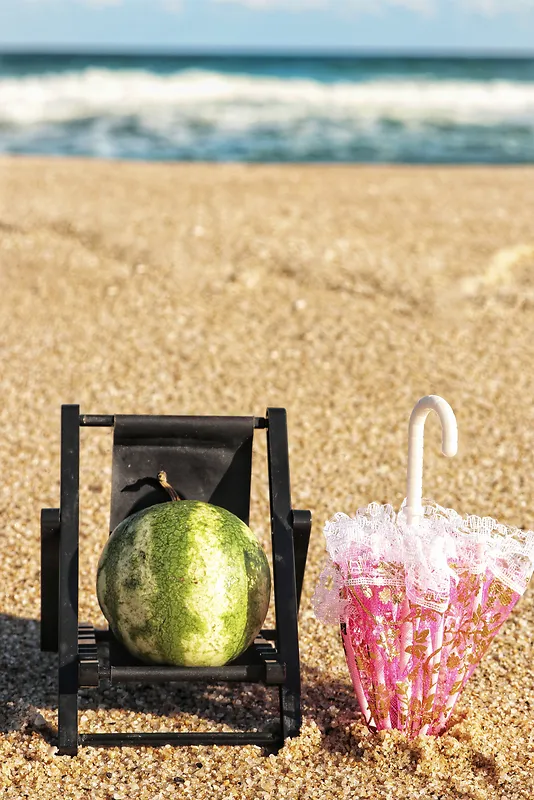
<point>378,547</point>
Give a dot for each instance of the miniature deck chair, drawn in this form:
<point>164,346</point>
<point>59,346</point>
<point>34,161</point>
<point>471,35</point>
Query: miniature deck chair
<point>206,458</point>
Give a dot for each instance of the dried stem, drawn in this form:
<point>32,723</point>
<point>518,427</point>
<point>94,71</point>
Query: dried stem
<point>162,478</point>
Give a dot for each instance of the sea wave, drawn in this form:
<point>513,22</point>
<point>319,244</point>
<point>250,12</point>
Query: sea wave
<point>243,100</point>
<point>198,114</point>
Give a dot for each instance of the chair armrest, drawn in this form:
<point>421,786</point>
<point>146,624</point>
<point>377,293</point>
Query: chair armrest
<point>301,522</point>
<point>50,532</point>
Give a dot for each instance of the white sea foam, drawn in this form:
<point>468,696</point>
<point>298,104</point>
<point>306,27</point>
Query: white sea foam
<point>239,102</point>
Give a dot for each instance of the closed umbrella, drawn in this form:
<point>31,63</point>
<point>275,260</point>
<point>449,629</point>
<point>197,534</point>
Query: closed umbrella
<point>419,594</point>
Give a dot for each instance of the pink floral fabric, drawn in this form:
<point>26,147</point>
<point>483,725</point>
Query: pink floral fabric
<point>408,663</point>
<point>418,606</point>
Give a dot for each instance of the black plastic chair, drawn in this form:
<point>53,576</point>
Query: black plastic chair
<point>206,458</point>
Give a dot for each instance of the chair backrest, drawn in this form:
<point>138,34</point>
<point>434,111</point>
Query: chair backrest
<point>205,458</point>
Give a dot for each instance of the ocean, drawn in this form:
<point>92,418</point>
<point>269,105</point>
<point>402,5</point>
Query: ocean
<point>410,110</point>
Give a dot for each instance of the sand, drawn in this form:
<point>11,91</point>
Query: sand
<point>341,293</point>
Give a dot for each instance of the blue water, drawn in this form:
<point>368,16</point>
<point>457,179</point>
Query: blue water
<point>269,108</point>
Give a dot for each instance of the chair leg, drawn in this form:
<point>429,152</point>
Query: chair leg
<point>67,721</point>
<point>68,582</point>
<point>285,588</point>
<point>290,713</point>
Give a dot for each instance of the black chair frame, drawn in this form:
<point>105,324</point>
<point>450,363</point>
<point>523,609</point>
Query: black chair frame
<point>92,658</point>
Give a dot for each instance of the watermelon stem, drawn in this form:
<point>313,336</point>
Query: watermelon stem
<point>162,478</point>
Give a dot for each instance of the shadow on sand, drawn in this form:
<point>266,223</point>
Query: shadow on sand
<point>28,683</point>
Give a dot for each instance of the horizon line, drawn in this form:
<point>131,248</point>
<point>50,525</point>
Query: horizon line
<point>296,52</point>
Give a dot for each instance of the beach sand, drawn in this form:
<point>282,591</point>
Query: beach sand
<point>341,293</point>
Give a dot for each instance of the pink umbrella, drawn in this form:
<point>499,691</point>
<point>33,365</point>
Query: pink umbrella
<point>419,595</point>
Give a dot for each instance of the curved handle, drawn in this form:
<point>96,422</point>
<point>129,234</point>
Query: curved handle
<point>449,447</point>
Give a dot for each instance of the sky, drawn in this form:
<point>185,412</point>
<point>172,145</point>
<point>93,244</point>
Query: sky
<point>262,25</point>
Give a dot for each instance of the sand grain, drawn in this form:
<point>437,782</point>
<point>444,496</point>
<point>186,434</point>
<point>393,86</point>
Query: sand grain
<point>343,294</point>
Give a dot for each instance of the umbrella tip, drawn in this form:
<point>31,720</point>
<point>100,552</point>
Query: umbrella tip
<point>449,444</point>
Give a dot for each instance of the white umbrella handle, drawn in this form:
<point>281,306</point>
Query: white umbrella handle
<point>449,447</point>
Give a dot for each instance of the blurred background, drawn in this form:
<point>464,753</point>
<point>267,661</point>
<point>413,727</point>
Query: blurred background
<point>413,81</point>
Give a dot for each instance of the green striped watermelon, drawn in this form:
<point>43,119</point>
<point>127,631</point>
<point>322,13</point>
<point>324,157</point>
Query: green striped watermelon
<point>184,583</point>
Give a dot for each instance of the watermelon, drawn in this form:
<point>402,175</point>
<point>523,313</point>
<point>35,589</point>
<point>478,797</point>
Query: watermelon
<point>184,583</point>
